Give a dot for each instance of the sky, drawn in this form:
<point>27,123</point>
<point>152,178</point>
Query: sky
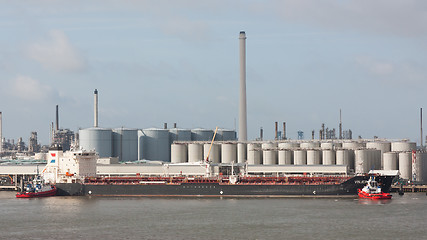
<point>178,62</point>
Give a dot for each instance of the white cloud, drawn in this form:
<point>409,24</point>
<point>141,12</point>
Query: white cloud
<point>57,53</point>
<point>29,89</point>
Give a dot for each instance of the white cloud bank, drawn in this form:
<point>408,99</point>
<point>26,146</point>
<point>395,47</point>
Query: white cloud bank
<point>29,89</point>
<point>57,54</point>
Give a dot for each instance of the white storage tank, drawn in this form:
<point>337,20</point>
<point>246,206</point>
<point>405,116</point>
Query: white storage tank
<point>328,157</point>
<point>288,145</point>
<point>155,144</point>
<point>241,152</point>
<point>309,145</point>
<point>178,134</point>
<point>125,144</point>
<point>225,135</point>
<point>345,157</point>
<point>285,157</point>
<point>403,146</point>
<point>269,153</point>
<point>179,153</point>
<point>200,134</point>
<point>419,169</point>
<point>254,154</point>
<point>362,161</point>
<point>382,146</point>
<point>215,155</point>
<point>367,159</point>
<point>353,145</point>
<point>405,165</point>
<point>390,161</point>
<point>195,152</point>
<point>98,139</point>
<point>300,157</point>
<point>330,145</point>
<point>314,157</point>
<point>228,153</point>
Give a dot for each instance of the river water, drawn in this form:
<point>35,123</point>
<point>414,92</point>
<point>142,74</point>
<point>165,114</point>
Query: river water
<point>403,217</point>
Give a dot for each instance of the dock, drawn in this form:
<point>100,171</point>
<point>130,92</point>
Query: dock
<point>412,188</point>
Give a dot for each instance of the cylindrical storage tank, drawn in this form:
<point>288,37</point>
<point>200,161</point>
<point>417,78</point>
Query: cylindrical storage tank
<point>309,145</point>
<point>300,157</point>
<point>362,161</point>
<point>345,157</point>
<point>367,159</point>
<point>178,134</point>
<point>390,161</point>
<point>269,153</point>
<point>405,165</point>
<point>179,153</point>
<point>285,157</point>
<point>288,145</point>
<point>228,152</point>
<point>254,154</point>
<point>225,135</point>
<point>313,157</point>
<point>328,157</point>
<point>241,152</point>
<point>125,144</point>
<point>330,145</point>
<point>403,146</point>
<point>419,168</point>
<point>382,146</point>
<point>195,152</point>
<point>200,134</point>
<point>215,154</point>
<point>156,144</point>
<point>98,139</point>
<point>353,145</point>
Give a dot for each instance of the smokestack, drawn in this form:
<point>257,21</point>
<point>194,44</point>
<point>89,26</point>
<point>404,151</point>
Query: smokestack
<point>95,110</point>
<point>261,134</point>
<point>421,125</point>
<point>57,118</point>
<point>243,130</point>
<point>1,133</point>
<point>284,131</point>
<point>165,126</point>
<point>174,125</point>
<point>276,130</point>
<point>340,126</point>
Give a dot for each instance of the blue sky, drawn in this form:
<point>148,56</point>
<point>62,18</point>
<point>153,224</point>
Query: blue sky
<point>177,61</point>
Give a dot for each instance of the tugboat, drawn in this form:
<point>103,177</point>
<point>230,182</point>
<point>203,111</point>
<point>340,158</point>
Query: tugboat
<point>37,189</point>
<point>373,191</point>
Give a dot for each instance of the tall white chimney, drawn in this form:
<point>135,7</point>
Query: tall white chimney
<point>95,110</point>
<point>1,134</point>
<point>243,130</point>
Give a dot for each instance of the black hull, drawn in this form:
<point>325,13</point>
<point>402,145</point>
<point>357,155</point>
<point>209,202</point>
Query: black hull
<point>215,189</point>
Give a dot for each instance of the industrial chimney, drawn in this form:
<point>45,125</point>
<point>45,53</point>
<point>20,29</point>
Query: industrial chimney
<point>1,134</point>
<point>95,110</point>
<point>243,130</point>
<point>57,118</point>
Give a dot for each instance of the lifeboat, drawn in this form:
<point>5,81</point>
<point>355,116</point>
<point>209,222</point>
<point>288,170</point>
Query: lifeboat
<point>373,191</point>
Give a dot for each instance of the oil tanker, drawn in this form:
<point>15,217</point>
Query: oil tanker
<point>76,173</point>
<point>221,186</point>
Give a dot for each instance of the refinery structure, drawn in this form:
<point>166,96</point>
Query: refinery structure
<point>178,148</point>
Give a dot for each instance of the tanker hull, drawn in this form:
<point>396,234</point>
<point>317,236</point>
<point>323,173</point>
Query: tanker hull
<point>216,189</point>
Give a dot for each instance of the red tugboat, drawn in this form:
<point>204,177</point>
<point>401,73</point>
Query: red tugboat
<point>373,191</point>
<point>37,189</point>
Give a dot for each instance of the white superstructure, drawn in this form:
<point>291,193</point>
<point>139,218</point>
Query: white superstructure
<point>70,166</point>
